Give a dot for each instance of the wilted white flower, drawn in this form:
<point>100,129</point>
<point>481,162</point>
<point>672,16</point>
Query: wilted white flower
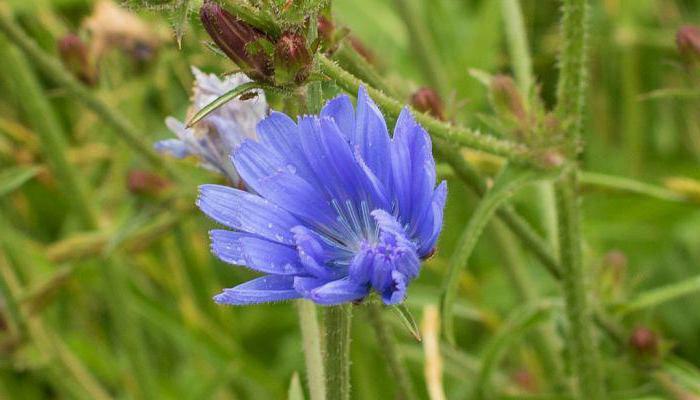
<point>213,139</point>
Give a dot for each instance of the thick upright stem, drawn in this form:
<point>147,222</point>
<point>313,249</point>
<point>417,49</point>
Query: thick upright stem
<point>571,98</point>
<point>388,348</point>
<point>311,337</point>
<point>338,322</point>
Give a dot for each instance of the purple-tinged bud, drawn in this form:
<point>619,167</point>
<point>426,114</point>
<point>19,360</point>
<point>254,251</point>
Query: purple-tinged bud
<point>146,183</point>
<point>242,43</point>
<point>644,342</point>
<point>74,54</point>
<point>428,101</point>
<point>507,98</point>
<point>292,59</point>
<point>688,42</point>
<point>326,28</point>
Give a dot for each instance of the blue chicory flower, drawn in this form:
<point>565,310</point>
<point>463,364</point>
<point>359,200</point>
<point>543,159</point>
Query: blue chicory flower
<point>213,139</point>
<point>337,207</point>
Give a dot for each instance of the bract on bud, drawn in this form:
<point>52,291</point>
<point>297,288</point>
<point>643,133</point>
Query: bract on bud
<point>242,43</point>
<point>292,59</point>
<point>74,54</point>
<point>688,42</point>
<point>428,101</point>
<point>506,97</point>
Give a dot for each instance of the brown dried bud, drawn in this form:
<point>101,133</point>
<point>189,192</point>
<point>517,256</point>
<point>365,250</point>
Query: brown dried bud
<point>507,98</point>
<point>74,54</point>
<point>688,42</point>
<point>147,183</point>
<point>242,43</point>
<point>427,100</point>
<point>525,380</point>
<point>292,59</point>
<point>644,342</point>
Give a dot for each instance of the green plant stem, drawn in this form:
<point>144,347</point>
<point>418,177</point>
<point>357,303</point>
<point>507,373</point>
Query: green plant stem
<point>390,352</point>
<point>422,44</point>
<point>337,325</point>
<point>520,227</point>
<point>581,344</point>
<point>506,184</point>
<point>661,295</point>
<point>53,68</point>
<point>582,348</point>
<point>517,44</point>
<point>454,134</point>
<point>628,185</point>
<point>311,338</point>
<point>522,67</point>
<point>526,289</point>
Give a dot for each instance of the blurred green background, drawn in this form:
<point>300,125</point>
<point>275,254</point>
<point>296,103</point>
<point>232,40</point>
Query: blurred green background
<point>124,310</point>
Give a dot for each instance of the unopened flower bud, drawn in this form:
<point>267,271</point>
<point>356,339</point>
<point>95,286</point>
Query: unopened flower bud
<point>146,183</point>
<point>644,342</point>
<point>688,42</point>
<point>292,59</point>
<point>428,101</point>
<point>326,28</point>
<point>506,97</point>
<point>242,43</point>
<point>74,54</point>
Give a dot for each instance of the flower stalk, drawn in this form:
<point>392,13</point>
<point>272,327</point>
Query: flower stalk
<point>581,344</point>
<point>338,323</point>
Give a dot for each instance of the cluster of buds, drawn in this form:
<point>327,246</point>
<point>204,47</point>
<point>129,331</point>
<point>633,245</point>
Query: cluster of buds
<point>282,61</point>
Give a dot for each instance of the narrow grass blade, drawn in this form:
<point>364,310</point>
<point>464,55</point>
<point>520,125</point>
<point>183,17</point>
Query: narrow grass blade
<point>407,320</point>
<point>661,295</point>
<point>295,390</point>
<point>13,178</point>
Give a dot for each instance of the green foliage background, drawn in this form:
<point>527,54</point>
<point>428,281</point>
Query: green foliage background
<point>124,310</point>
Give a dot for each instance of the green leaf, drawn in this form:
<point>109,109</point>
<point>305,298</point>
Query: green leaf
<point>295,390</point>
<point>225,98</point>
<point>506,184</point>
<point>13,178</point>
<point>407,320</point>
<point>180,14</point>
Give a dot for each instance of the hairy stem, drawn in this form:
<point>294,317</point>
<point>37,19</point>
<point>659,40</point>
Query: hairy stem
<point>337,324</point>
<point>388,348</point>
<point>311,337</point>
<point>581,344</point>
<point>459,135</point>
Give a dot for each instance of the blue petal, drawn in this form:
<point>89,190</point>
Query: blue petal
<point>314,252</point>
<point>338,292</point>
<point>372,136</point>
<point>280,133</point>
<point>254,162</point>
<point>360,269</point>
<point>266,289</point>
<point>429,234</point>
<point>304,285</point>
<point>396,292</point>
<point>174,147</point>
<point>255,253</point>
<point>265,173</point>
<point>247,213</point>
<point>413,170</point>
<point>340,109</point>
